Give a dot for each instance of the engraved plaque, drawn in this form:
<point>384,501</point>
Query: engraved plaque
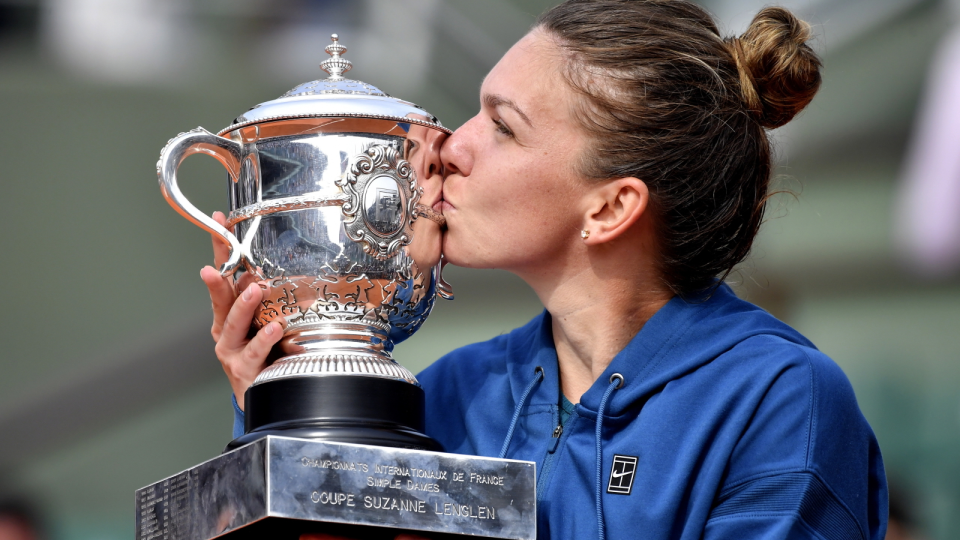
<point>312,481</point>
<point>383,206</point>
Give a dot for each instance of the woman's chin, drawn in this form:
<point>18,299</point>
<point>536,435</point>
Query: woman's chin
<point>452,254</point>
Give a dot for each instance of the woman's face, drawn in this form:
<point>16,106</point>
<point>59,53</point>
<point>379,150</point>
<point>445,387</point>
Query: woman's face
<point>512,194</point>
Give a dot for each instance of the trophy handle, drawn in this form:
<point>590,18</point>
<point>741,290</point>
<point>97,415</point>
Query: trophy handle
<point>444,290</point>
<point>227,152</point>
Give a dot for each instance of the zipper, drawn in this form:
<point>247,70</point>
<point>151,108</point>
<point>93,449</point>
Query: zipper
<point>558,437</point>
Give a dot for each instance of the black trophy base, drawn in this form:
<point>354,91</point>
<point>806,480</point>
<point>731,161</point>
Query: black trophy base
<point>294,529</point>
<point>337,408</point>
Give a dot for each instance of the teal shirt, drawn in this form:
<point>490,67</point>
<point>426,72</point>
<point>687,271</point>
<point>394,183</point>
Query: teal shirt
<point>566,410</point>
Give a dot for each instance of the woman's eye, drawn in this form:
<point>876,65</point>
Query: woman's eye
<point>502,128</point>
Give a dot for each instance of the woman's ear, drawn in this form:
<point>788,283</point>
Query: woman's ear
<point>613,208</point>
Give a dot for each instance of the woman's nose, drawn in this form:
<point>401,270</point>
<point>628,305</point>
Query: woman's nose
<point>454,154</point>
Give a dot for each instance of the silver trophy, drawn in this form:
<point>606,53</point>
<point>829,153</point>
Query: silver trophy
<point>331,190</point>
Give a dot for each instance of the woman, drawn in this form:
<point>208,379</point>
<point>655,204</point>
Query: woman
<point>619,164</point>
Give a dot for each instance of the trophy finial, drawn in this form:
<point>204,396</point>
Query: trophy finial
<point>335,65</point>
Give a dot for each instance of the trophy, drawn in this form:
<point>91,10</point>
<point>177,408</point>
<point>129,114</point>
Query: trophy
<point>331,193</point>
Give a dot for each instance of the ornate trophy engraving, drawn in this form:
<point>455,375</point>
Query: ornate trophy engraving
<point>331,188</point>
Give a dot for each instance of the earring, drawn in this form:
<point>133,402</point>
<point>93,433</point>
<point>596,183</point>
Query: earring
<point>585,234</point>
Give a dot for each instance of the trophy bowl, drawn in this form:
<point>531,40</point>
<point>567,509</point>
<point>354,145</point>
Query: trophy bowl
<point>331,189</point>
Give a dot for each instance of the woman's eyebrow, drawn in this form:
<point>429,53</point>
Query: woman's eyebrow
<point>495,100</point>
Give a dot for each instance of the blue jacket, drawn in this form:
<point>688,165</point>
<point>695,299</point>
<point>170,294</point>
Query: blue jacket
<point>728,424</point>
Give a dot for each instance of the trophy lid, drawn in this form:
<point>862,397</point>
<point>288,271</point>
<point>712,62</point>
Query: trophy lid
<point>336,97</point>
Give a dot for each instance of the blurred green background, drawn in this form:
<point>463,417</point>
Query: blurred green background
<point>108,380</point>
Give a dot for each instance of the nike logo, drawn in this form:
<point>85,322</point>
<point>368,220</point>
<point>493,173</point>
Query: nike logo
<point>621,483</point>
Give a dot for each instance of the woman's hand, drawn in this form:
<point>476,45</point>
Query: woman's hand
<point>243,357</point>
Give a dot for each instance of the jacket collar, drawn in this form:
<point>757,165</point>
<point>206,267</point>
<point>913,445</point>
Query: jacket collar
<point>683,335</point>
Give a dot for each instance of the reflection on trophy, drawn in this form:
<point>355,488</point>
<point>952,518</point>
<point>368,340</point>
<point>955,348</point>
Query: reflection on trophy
<point>331,192</point>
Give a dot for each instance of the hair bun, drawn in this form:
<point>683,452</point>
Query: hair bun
<point>779,72</point>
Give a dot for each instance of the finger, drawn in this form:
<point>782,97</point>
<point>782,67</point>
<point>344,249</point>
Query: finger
<point>242,369</point>
<point>222,297</point>
<point>238,321</point>
<point>221,251</point>
<point>257,349</point>
<point>245,280</point>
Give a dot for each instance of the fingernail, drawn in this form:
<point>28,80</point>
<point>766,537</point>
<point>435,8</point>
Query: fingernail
<point>248,294</point>
<point>271,329</point>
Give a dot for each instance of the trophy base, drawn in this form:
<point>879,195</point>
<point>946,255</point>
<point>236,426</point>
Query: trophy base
<point>280,488</point>
<point>337,408</point>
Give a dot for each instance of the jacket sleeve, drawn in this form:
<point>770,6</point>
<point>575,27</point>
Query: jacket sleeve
<point>807,465</point>
<point>238,418</point>
<point>786,506</point>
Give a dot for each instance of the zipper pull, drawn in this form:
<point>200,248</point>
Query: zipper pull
<point>556,438</point>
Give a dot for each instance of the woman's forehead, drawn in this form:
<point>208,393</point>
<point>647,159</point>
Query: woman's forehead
<point>528,79</point>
